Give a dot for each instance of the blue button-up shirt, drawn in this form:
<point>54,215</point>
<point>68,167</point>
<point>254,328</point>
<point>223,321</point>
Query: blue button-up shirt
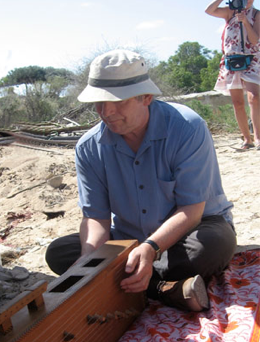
<point>176,165</point>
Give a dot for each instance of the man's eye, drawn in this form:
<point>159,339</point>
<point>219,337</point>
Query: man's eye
<point>99,106</point>
<point>121,103</point>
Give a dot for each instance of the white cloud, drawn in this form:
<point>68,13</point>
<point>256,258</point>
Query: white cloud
<point>146,25</point>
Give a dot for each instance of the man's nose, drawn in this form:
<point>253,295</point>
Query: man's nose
<point>108,108</point>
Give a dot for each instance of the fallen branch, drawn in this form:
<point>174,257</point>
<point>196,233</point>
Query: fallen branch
<point>36,148</point>
<point>29,188</point>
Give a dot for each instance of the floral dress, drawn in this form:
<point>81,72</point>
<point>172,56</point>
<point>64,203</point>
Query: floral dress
<point>231,45</point>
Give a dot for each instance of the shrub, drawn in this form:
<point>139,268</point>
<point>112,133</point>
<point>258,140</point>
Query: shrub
<point>219,118</point>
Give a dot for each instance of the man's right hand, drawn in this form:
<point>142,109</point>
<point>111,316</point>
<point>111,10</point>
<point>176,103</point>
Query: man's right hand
<point>139,266</point>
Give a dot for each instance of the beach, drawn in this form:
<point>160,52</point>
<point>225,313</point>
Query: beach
<point>33,212</point>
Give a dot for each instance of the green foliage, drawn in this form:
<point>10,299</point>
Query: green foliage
<point>38,104</point>
<point>26,75</point>
<point>210,73</point>
<point>191,69</point>
<point>11,110</point>
<point>32,74</point>
<point>44,88</point>
<point>218,118</point>
<point>52,93</point>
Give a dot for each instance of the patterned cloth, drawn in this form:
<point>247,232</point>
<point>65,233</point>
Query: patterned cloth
<point>234,313</point>
<point>231,44</point>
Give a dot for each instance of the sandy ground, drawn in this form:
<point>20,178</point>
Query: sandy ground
<point>26,230</point>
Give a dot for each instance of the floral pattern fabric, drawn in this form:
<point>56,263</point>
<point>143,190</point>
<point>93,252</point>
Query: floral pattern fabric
<point>234,313</point>
<point>231,44</point>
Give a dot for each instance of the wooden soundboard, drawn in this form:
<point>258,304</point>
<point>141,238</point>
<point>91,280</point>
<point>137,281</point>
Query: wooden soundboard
<point>85,304</point>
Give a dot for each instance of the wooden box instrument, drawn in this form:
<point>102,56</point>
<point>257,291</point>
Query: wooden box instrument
<point>85,304</point>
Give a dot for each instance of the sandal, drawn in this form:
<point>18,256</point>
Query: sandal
<point>246,146</point>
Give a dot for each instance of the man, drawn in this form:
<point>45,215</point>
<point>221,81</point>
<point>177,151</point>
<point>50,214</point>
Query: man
<point>152,167</point>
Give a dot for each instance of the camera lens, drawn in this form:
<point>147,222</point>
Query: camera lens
<point>237,4</point>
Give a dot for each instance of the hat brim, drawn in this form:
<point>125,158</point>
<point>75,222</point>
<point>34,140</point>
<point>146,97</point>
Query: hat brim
<point>96,94</point>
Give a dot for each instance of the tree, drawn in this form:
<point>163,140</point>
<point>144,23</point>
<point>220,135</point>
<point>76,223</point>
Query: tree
<point>33,74</point>
<point>51,92</point>
<point>183,71</point>
<point>11,109</point>
<point>209,75</point>
<point>43,89</point>
<point>26,75</point>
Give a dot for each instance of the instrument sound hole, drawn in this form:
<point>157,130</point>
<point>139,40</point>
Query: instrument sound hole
<point>94,262</point>
<point>66,284</point>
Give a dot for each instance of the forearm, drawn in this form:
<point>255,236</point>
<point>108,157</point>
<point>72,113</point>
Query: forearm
<point>93,234</point>
<point>184,219</point>
<point>253,32</point>
<point>140,259</point>
<point>216,11</point>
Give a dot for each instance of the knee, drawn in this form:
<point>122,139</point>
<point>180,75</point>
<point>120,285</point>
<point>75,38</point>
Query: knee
<point>51,256</point>
<point>50,252</point>
<point>253,98</point>
<point>216,253</point>
<point>63,252</point>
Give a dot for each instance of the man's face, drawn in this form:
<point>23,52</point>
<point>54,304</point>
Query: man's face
<point>125,117</point>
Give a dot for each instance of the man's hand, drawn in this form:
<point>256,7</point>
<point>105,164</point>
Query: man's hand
<point>140,267</point>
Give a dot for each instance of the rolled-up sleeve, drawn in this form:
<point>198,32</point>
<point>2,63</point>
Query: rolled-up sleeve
<point>92,188</point>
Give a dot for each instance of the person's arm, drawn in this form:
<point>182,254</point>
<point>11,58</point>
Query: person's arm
<point>172,230</point>
<point>93,234</point>
<point>219,12</point>
<point>140,260</point>
<point>253,32</point>
<point>93,198</point>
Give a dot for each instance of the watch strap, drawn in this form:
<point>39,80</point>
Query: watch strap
<point>155,247</point>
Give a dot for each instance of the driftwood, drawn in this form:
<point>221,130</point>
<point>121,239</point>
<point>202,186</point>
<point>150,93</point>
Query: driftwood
<point>48,128</point>
<point>36,148</point>
<point>29,188</point>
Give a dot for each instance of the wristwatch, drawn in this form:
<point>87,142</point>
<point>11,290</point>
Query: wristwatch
<point>156,248</point>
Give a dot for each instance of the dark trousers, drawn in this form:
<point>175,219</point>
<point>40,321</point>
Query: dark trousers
<point>206,250</point>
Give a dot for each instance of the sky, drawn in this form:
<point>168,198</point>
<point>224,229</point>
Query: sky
<point>66,34</point>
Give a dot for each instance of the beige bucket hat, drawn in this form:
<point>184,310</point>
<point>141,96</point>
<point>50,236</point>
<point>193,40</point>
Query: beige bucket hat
<point>118,75</point>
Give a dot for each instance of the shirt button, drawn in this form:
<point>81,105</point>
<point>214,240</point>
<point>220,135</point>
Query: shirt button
<point>141,187</point>
<point>144,211</point>
<point>137,162</point>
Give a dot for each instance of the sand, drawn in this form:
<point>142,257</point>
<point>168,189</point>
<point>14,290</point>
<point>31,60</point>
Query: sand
<point>26,230</point>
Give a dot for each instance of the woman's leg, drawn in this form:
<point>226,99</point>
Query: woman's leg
<point>237,96</point>
<point>253,96</point>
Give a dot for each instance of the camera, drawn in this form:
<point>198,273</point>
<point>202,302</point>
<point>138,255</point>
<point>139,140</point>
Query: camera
<point>237,5</point>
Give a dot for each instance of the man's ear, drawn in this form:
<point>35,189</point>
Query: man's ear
<point>147,99</point>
